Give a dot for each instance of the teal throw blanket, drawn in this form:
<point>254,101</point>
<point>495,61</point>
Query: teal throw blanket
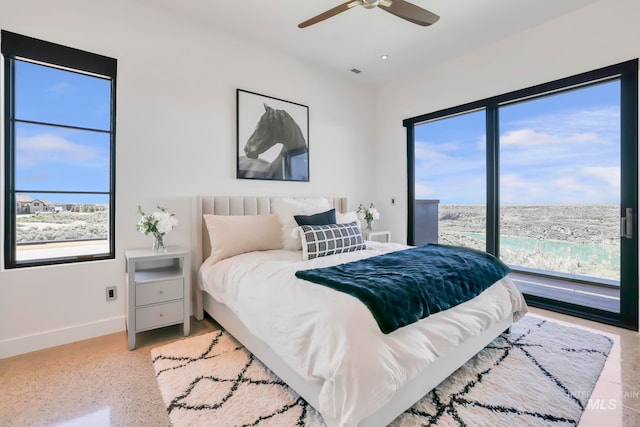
<point>402,287</point>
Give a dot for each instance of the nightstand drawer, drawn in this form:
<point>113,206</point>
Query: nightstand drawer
<point>153,292</point>
<point>159,315</point>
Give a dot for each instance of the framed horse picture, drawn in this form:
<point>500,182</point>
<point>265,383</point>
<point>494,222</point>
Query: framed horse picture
<point>273,138</point>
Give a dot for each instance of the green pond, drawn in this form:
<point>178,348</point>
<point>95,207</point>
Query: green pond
<point>582,251</point>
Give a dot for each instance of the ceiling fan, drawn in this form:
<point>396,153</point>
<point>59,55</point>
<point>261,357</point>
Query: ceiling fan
<point>400,8</point>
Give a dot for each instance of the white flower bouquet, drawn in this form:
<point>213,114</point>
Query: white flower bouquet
<point>158,223</point>
<point>369,214</point>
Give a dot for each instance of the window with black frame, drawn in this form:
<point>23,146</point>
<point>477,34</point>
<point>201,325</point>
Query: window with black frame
<point>559,165</point>
<point>59,121</point>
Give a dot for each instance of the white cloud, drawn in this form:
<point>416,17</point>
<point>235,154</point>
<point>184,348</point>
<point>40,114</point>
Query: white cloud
<point>529,137</point>
<point>58,90</point>
<point>514,188</point>
<point>445,159</point>
<point>513,181</point>
<point>569,156</point>
<point>573,189</point>
<point>46,148</point>
<point>569,185</point>
<point>609,175</point>
<point>583,137</point>
<point>524,137</point>
<point>423,191</point>
<point>430,152</point>
<point>458,188</point>
<point>566,185</point>
<point>537,153</point>
<point>600,124</point>
<point>450,172</point>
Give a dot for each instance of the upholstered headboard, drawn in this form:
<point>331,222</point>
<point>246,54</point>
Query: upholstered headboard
<point>236,205</point>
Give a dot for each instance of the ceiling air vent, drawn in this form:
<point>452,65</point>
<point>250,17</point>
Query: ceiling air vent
<point>355,71</point>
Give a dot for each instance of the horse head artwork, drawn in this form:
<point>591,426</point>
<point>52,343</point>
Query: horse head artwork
<point>276,126</point>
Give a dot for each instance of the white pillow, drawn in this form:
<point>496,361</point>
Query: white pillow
<point>347,217</point>
<point>236,234</point>
<point>286,207</point>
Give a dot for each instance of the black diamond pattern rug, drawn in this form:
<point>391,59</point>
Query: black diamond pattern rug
<point>540,374</point>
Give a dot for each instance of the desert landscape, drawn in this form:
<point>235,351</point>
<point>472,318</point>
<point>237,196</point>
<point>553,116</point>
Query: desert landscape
<point>573,239</point>
<point>59,226</point>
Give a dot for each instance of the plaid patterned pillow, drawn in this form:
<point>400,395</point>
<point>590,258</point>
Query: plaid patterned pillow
<point>323,240</point>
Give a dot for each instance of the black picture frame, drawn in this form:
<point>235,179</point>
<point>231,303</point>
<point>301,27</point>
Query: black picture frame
<point>272,138</point>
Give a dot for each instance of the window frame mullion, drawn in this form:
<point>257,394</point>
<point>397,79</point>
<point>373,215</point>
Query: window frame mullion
<point>493,176</point>
<point>10,195</point>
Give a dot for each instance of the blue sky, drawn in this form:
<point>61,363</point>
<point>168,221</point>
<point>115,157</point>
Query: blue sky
<point>53,158</point>
<point>557,149</point>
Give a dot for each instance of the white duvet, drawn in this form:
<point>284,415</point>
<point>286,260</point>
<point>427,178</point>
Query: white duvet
<point>332,338</point>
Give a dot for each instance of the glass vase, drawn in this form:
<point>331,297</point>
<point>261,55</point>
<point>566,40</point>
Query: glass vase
<point>158,244</point>
<point>369,226</point>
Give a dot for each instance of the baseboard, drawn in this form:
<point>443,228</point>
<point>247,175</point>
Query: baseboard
<point>28,343</point>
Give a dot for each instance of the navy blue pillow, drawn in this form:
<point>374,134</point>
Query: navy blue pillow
<point>322,218</point>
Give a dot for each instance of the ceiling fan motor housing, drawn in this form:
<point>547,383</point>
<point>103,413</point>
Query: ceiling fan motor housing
<point>370,4</point>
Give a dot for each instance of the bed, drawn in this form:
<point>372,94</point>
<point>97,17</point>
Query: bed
<point>261,307</point>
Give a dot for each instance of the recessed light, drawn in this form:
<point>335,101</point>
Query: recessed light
<point>384,57</point>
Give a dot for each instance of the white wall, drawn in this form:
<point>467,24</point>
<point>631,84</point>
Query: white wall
<point>176,129</point>
<point>175,139</point>
<point>602,34</point>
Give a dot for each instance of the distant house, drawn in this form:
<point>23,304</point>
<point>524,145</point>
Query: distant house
<point>26,205</point>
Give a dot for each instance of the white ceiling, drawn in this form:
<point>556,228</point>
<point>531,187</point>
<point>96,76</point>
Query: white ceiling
<point>358,37</point>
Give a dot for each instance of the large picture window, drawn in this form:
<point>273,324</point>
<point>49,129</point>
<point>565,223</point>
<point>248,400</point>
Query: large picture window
<point>59,162</point>
<point>448,152</point>
<point>559,163</point>
<point>560,183</point>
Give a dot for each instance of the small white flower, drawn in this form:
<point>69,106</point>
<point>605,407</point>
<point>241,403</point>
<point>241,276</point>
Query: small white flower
<point>160,222</point>
<point>369,214</point>
<point>167,223</point>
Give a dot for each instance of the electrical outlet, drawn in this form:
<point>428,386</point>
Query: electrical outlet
<point>112,293</point>
<point>393,201</point>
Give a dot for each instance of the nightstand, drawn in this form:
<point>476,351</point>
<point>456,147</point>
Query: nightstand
<point>372,235</point>
<point>158,290</point>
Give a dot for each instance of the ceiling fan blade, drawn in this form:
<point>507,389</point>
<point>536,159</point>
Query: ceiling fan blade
<point>411,12</point>
<point>329,13</point>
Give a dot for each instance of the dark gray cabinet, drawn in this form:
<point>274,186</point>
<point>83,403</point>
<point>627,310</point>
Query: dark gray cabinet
<point>425,223</point>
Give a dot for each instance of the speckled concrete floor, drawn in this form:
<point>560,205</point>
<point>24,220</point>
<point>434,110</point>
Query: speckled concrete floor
<point>96,382</point>
<point>99,382</point>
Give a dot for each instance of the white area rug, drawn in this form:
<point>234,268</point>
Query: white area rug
<point>540,374</point>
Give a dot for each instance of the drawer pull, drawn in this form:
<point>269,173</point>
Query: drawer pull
<point>161,292</point>
<point>160,314</point>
